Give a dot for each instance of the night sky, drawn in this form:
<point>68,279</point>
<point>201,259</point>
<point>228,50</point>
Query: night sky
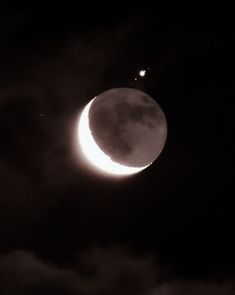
<point>65,229</point>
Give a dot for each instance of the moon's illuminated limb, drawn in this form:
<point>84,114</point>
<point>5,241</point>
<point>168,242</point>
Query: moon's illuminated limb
<point>93,152</point>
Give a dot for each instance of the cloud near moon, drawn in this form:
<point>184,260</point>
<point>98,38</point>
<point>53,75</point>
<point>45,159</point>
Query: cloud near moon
<point>98,271</point>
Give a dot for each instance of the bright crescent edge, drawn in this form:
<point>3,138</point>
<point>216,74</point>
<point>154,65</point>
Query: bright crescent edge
<point>94,154</point>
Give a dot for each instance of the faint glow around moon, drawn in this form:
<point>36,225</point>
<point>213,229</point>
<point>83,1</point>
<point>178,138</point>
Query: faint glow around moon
<point>93,152</point>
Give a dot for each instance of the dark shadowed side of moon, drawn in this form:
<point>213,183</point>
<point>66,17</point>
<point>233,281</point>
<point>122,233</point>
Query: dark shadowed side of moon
<point>128,125</point>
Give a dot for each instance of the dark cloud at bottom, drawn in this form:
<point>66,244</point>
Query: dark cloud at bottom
<point>97,271</point>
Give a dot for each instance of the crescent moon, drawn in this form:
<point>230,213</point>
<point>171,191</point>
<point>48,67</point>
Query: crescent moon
<point>94,154</point>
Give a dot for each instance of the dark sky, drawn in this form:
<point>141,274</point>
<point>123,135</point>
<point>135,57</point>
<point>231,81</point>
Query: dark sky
<point>67,230</point>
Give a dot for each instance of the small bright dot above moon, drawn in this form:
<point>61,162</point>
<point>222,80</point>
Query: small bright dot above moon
<point>142,73</point>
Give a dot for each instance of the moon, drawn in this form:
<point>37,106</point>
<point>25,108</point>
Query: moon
<point>122,131</point>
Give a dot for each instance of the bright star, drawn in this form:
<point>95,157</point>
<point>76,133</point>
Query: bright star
<point>142,73</point>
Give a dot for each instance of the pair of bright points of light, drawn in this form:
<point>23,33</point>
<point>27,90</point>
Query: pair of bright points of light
<point>142,73</point>
<point>94,154</point>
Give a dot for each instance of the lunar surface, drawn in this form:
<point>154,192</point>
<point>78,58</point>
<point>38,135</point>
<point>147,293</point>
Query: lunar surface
<point>122,131</point>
